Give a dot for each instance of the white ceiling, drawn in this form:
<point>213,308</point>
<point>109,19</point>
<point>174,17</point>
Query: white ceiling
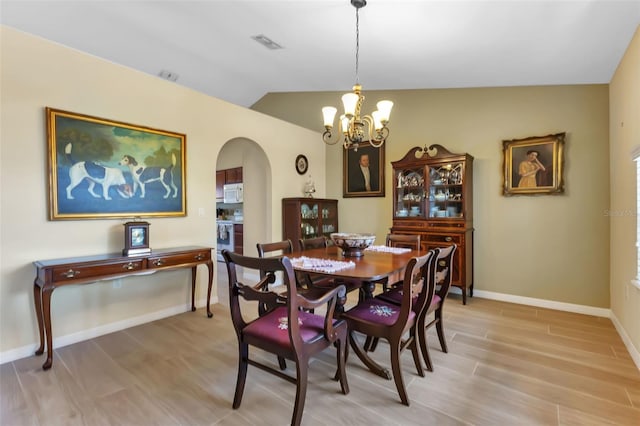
<point>404,44</point>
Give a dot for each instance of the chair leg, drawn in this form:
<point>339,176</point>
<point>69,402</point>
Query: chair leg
<point>301,391</point>
<point>415,351</point>
<point>440,330</point>
<point>397,372</point>
<point>243,356</point>
<point>422,338</point>
<point>370,344</point>
<point>282,363</point>
<point>342,359</point>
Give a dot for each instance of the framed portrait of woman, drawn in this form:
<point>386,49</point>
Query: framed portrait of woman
<point>534,165</point>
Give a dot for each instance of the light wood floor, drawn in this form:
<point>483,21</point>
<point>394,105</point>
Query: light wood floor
<point>507,365</point>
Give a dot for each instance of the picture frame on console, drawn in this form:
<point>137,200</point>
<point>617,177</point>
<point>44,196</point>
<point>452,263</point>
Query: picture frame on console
<point>534,165</point>
<point>357,162</point>
<point>102,169</point>
<point>136,238</point>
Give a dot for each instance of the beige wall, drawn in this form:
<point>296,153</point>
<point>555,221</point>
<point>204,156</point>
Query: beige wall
<point>625,136</point>
<point>545,247</point>
<point>36,73</point>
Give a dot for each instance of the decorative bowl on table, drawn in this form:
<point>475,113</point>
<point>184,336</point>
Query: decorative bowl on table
<point>352,245</point>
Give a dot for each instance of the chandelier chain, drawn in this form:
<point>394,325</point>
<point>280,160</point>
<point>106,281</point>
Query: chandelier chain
<point>357,43</point>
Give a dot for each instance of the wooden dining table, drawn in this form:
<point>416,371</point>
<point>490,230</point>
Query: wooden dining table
<point>371,267</point>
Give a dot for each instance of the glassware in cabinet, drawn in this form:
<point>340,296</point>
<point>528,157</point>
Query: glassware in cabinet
<point>410,193</point>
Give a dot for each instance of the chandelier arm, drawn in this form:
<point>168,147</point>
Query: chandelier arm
<point>326,137</point>
<point>376,138</point>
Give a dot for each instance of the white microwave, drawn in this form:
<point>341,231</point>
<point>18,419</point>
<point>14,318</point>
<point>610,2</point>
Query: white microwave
<point>233,193</point>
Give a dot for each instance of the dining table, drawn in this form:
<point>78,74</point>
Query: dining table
<point>371,267</point>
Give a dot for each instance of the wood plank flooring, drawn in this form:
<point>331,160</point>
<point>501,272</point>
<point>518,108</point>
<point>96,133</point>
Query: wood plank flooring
<point>507,365</point>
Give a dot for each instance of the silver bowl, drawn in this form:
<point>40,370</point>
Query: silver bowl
<point>352,245</point>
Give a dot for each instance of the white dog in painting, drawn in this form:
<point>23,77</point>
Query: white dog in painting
<point>143,175</point>
<point>96,174</point>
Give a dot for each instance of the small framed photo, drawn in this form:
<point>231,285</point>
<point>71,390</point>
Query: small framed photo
<point>363,171</point>
<point>534,165</point>
<point>136,238</point>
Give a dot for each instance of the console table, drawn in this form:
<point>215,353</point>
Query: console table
<point>51,274</point>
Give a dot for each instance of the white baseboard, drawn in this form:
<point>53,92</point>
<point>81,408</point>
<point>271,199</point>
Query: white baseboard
<point>69,339</point>
<point>635,355</point>
<point>542,303</point>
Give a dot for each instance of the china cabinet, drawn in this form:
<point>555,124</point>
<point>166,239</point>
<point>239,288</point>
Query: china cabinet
<point>433,197</point>
<point>304,218</point>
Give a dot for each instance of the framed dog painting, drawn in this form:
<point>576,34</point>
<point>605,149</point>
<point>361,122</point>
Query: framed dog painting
<point>100,168</point>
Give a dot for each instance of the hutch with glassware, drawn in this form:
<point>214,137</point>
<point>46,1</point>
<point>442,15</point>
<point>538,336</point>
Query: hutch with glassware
<point>304,218</point>
<point>433,197</point>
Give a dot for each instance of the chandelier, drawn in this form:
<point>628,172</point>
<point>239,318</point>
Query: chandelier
<point>354,127</point>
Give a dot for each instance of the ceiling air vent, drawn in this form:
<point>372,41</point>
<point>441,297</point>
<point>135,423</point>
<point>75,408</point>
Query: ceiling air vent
<point>168,75</point>
<point>266,42</point>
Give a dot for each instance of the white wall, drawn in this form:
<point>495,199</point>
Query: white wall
<point>35,74</point>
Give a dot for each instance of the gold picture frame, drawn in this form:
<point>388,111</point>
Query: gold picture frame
<point>534,165</point>
<point>105,169</point>
<point>354,181</point>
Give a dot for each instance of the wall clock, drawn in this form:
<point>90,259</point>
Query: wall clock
<point>302,164</point>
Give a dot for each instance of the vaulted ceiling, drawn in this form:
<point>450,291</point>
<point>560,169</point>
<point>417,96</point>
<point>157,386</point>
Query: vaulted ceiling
<point>404,44</point>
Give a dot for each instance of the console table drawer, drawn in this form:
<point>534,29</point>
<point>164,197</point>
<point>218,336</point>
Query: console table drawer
<point>71,272</point>
<point>178,259</point>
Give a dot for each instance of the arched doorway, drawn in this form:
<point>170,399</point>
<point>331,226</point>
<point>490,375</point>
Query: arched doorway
<point>256,176</point>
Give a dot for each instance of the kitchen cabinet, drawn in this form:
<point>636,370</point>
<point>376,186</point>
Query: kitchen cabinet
<point>304,218</point>
<point>433,197</point>
<point>226,176</point>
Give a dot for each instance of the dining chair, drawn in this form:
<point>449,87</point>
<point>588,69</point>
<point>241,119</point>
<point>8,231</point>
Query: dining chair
<point>401,241</point>
<point>285,248</point>
<point>442,277</point>
<point>441,284</point>
<point>318,280</point>
<point>278,248</point>
<point>380,319</point>
<point>284,329</point>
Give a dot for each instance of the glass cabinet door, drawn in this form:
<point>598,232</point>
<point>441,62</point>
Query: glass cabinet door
<point>309,220</point>
<point>445,190</point>
<point>410,193</point>
<point>329,216</point>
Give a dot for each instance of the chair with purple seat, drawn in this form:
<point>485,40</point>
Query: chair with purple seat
<point>379,319</point>
<point>441,284</point>
<point>285,328</point>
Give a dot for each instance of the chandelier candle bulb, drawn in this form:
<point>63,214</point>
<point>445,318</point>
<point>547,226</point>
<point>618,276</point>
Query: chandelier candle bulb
<point>329,113</point>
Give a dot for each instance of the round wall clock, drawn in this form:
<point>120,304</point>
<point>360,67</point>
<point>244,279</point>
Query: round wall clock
<point>302,164</point>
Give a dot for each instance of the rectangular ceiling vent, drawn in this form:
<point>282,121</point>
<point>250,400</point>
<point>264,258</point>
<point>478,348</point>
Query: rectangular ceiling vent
<point>266,42</point>
<point>168,75</point>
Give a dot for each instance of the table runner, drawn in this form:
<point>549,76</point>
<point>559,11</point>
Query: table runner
<point>321,265</point>
<point>387,249</point>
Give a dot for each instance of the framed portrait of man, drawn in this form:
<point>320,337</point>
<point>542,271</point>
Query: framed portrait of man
<point>363,171</point>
